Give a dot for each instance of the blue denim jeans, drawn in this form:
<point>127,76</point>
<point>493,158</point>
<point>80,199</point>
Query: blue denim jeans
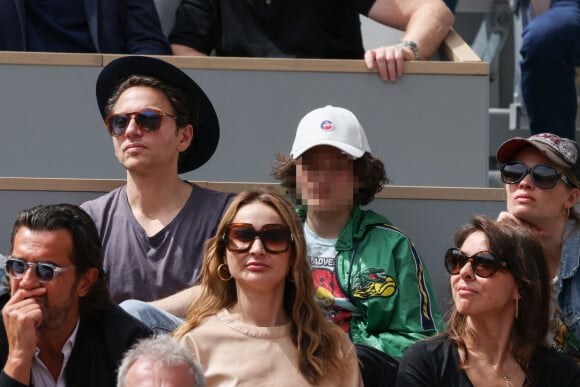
<point>158,320</point>
<point>550,52</point>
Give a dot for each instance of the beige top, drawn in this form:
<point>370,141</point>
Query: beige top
<point>233,353</point>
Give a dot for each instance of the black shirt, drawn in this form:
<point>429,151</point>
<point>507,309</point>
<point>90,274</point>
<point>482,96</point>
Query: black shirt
<point>435,362</point>
<point>272,28</point>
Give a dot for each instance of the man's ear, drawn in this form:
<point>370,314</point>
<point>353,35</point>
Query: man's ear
<point>185,137</point>
<point>86,281</point>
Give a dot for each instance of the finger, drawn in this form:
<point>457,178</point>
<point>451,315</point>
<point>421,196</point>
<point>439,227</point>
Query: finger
<point>369,59</point>
<point>21,329</point>
<point>22,300</point>
<point>22,294</point>
<point>399,62</point>
<point>379,57</point>
<point>22,311</point>
<point>391,65</point>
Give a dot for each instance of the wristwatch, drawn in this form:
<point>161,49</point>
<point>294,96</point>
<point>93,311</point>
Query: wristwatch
<point>413,46</point>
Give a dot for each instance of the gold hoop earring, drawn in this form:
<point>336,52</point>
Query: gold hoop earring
<point>567,212</point>
<point>220,275</point>
<point>517,308</point>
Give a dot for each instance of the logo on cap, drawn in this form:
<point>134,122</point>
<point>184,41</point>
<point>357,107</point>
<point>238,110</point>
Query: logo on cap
<point>327,125</point>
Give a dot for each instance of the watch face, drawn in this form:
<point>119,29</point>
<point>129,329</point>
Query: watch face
<point>412,45</point>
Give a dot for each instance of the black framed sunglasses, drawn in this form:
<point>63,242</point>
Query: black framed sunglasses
<point>148,120</point>
<point>275,238</point>
<point>543,176</point>
<point>45,272</point>
<point>484,263</point>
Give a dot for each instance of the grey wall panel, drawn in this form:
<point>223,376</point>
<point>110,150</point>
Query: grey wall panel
<point>12,202</point>
<point>428,129</point>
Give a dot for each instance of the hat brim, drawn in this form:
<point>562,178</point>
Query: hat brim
<point>206,130</point>
<point>509,148</point>
<point>346,148</point>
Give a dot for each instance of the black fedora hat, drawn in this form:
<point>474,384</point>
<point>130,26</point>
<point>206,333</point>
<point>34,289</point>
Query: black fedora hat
<point>206,131</point>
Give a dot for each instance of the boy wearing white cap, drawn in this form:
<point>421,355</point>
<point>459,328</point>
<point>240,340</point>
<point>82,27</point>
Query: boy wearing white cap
<point>370,278</point>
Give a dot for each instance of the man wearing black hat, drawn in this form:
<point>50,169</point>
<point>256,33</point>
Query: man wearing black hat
<point>153,229</point>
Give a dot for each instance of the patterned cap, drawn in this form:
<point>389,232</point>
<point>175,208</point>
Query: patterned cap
<point>561,151</point>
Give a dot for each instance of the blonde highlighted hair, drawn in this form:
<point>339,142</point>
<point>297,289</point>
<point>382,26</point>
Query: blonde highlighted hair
<point>318,341</point>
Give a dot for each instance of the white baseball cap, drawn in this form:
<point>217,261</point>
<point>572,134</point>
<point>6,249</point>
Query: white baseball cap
<point>334,126</point>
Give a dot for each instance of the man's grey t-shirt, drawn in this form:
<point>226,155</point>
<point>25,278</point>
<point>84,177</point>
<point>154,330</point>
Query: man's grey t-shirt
<point>149,268</point>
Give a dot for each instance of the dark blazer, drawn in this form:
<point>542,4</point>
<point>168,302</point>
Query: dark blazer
<point>116,26</point>
<point>99,347</point>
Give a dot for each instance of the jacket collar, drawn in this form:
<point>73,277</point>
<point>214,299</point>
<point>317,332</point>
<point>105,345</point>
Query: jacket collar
<point>355,228</point>
<point>570,258</point>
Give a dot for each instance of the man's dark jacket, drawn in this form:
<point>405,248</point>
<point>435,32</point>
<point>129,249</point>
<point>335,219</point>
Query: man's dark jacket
<point>115,26</point>
<point>99,347</point>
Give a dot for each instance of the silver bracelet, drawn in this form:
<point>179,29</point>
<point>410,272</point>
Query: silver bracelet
<point>413,46</point>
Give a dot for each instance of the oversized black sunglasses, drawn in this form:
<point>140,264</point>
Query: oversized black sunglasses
<point>275,238</point>
<point>45,272</point>
<point>543,176</point>
<point>484,263</point>
<point>148,120</point>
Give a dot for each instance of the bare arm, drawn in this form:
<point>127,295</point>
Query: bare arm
<point>425,22</point>
<point>180,49</point>
<point>178,303</point>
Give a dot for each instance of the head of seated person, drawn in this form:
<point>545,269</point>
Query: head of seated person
<point>544,169</point>
<point>498,277</point>
<point>256,288</point>
<point>59,303</point>
<point>541,176</point>
<point>331,166</point>
<point>497,325</point>
<point>159,362</point>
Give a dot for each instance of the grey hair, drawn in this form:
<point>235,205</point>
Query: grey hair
<point>164,350</point>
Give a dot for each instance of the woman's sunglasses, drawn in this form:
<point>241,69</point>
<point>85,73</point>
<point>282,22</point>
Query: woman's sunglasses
<point>45,272</point>
<point>275,238</point>
<point>148,120</point>
<point>484,264</point>
<point>543,176</point>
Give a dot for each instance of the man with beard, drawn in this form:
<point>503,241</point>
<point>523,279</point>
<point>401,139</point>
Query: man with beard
<point>59,326</point>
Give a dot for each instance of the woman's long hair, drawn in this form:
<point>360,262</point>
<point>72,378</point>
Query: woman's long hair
<point>317,340</point>
<point>523,253</point>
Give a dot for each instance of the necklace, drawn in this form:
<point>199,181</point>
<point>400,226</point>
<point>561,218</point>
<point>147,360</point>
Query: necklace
<point>485,364</point>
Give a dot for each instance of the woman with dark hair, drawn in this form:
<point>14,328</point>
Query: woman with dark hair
<point>256,321</point>
<point>498,323</point>
<point>541,183</point>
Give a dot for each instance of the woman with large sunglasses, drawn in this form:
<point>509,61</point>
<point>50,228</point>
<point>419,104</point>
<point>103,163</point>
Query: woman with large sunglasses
<point>256,321</point>
<point>541,182</point>
<point>498,323</point>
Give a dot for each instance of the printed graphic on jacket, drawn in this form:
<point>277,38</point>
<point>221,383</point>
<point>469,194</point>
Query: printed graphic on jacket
<point>372,283</point>
<point>335,304</point>
<point>563,340</point>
